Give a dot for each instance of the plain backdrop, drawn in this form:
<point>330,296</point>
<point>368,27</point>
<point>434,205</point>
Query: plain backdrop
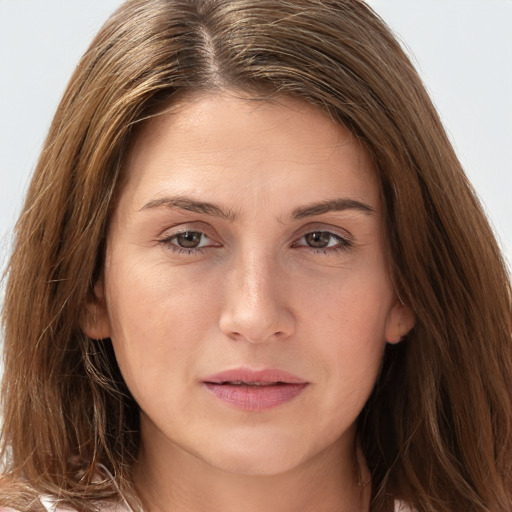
<point>462,48</point>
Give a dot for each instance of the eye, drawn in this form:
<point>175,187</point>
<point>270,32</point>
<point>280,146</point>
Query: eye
<point>188,242</point>
<point>323,241</point>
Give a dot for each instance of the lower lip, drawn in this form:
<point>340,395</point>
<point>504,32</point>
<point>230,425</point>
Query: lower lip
<point>255,398</point>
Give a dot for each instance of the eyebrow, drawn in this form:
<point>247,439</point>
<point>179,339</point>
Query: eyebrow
<point>191,205</point>
<point>333,205</point>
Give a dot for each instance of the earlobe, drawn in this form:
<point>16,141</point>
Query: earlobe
<point>95,322</point>
<point>401,320</point>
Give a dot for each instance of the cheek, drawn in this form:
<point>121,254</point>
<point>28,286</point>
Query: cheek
<point>351,303</point>
<point>159,322</point>
<point>349,354</point>
<point>352,343</point>
<point>345,323</point>
<point>151,297</point>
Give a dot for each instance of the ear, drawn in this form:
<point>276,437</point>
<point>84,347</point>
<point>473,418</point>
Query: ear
<point>95,322</point>
<point>400,321</point>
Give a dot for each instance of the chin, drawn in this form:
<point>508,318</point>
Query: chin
<point>262,457</point>
<point>252,465</point>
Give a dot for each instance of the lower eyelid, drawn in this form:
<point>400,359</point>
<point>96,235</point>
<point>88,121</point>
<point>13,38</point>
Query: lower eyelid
<point>168,241</point>
<point>341,239</point>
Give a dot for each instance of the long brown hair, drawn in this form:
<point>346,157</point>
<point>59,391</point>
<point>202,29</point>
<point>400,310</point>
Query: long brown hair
<point>437,430</point>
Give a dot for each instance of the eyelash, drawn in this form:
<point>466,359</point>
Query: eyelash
<point>168,243</point>
<point>342,243</point>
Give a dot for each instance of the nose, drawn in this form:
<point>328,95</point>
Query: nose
<point>256,301</point>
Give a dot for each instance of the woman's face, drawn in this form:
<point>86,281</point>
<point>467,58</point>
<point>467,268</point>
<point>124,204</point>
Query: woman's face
<point>245,287</point>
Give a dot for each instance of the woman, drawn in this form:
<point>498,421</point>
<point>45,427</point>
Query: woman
<point>251,274</point>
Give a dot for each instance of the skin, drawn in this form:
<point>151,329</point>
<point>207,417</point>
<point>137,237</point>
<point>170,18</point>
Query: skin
<point>272,283</point>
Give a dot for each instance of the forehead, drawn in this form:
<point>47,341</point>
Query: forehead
<point>205,142</point>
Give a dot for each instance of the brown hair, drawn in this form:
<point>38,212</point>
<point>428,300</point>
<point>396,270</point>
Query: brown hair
<point>437,430</point>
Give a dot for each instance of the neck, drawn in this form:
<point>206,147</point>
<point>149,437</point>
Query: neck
<point>176,481</point>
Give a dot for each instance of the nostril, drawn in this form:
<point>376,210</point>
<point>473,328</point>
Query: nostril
<point>259,322</point>
<point>277,335</point>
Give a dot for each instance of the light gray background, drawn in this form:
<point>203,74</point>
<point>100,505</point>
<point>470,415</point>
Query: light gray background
<point>463,49</point>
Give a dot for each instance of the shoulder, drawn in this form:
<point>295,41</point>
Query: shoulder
<point>50,506</point>
<point>402,506</point>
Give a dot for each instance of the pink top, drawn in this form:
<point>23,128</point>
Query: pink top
<point>50,506</point>
<point>109,507</point>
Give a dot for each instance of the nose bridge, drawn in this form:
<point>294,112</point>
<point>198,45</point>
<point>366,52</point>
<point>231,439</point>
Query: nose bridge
<point>255,305</point>
<point>255,274</point>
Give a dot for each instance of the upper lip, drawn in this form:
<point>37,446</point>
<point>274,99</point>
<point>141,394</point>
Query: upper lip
<point>249,375</point>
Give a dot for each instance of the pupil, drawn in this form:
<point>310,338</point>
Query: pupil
<point>189,240</point>
<point>318,239</point>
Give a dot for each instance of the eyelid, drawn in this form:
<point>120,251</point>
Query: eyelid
<point>199,227</point>
<point>166,238</point>
<point>324,227</point>
<point>345,240</point>
<point>344,237</point>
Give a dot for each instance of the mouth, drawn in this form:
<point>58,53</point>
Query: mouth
<point>248,376</point>
<point>255,390</point>
<point>243,383</point>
